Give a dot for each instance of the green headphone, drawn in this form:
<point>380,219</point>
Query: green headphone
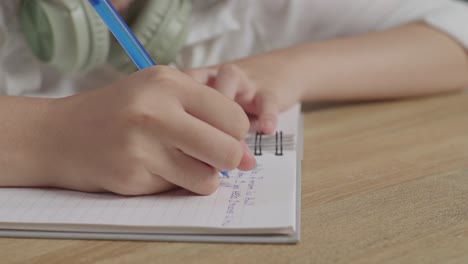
<point>70,36</point>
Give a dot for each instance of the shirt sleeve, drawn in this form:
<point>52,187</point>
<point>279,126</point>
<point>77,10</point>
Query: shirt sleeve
<point>451,19</point>
<point>282,23</point>
<point>448,16</point>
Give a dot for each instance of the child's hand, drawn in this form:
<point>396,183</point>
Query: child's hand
<point>262,85</point>
<point>144,134</point>
<point>121,5</point>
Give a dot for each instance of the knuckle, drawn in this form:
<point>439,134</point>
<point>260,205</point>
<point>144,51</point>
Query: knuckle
<point>168,81</point>
<point>158,73</point>
<point>162,76</point>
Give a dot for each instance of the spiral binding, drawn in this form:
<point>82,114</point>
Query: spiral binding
<point>278,144</point>
<point>258,144</point>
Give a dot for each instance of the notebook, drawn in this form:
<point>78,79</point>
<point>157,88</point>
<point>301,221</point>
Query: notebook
<point>259,206</point>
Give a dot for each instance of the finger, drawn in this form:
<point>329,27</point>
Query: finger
<point>121,5</point>
<point>191,174</point>
<point>248,161</point>
<point>234,83</point>
<point>206,143</point>
<point>206,76</point>
<point>218,111</point>
<point>155,184</point>
<point>139,183</point>
<point>267,111</point>
<point>229,80</point>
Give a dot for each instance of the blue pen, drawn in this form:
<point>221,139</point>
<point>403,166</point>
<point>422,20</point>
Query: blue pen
<point>123,34</point>
<point>125,37</point>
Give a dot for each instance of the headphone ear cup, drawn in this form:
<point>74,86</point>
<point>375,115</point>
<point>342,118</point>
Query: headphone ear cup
<point>66,34</point>
<point>161,28</point>
<point>171,36</point>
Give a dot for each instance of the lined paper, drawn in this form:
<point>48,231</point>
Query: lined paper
<point>262,198</point>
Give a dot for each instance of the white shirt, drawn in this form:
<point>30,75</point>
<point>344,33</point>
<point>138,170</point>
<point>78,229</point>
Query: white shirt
<point>224,30</point>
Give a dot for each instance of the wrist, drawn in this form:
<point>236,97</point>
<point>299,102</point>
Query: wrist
<point>277,70</point>
<point>22,135</point>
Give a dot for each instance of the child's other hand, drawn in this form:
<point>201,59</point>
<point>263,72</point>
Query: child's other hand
<point>146,133</point>
<point>261,85</point>
<point>121,5</point>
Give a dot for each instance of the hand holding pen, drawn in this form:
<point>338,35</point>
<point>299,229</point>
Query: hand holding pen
<point>173,130</point>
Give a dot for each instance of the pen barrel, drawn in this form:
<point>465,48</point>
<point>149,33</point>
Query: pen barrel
<point>123,34</point>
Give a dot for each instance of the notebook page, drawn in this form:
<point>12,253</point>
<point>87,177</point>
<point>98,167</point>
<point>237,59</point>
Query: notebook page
<point>260,201</point>
<point>288,121</point>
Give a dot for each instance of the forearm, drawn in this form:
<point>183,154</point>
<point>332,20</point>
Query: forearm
<point>21,127</point>
<point>406,61</point>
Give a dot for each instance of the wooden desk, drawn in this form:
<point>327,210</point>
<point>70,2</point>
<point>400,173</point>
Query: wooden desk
<point>382,183</point>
